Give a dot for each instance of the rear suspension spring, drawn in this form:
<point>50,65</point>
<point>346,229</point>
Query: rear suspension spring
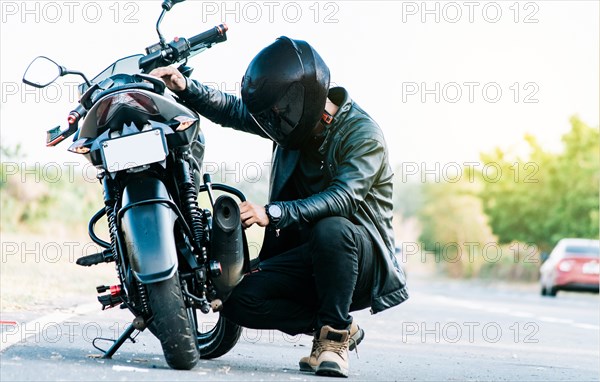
<point>111,194</point>
<point>189,202</point>
<point>143,297</point>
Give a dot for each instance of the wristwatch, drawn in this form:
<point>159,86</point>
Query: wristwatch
<point>274,214</point>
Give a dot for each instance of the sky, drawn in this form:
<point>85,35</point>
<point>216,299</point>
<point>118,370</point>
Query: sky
<point>444,80</point>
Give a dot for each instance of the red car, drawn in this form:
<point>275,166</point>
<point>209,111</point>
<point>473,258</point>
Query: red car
<point>573,265</point>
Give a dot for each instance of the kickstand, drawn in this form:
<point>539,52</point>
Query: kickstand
<point>126,335</point>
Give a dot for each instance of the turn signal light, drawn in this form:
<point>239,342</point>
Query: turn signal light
<point>79,147</point>
<point>184,122</point>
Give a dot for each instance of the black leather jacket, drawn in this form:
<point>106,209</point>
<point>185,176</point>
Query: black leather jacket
<point>355,163</point>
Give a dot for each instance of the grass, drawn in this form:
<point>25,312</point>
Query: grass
<point>37,271</point>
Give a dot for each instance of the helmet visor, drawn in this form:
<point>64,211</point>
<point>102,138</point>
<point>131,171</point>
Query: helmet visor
<point>280,121</point>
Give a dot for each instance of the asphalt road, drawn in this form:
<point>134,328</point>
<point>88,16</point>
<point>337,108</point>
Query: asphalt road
<point>446,331</point>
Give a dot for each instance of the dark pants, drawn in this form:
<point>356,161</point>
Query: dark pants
<point>310,285</point>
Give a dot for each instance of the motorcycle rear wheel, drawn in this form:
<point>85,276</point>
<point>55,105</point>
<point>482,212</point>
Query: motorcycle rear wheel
<point>219,339</point>
<point>171,324</point>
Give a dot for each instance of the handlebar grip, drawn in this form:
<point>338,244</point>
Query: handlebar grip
<point>211,36</point>
<point>149,60</point>
<point>181,48</point>
<point>79,109</point>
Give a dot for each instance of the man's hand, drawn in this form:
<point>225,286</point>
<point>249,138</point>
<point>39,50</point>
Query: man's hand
<point>253,213</point>
<point>172,77</point>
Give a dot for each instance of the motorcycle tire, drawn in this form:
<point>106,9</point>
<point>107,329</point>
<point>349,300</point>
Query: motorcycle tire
<point>219,340</point>
<point>171,324</point>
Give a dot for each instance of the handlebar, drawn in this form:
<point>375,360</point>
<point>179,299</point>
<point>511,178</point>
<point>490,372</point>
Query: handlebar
<point>180,48</point>
<point>157,55</point>
<point>210,37</point>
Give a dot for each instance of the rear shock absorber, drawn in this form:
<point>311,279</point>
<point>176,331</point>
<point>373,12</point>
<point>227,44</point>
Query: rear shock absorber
<point>111,194</point>
<point>143,297</point>
<point>110,215</point>
<point>188,196</point>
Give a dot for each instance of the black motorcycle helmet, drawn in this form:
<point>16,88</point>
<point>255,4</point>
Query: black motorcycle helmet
<point>285,88</point>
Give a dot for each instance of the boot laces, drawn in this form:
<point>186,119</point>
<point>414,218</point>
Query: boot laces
<point>351,340</point>
<point>315,347</point>
<point>356,350</point>
<point>332,346</point>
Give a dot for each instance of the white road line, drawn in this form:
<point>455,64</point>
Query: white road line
<point>497,310</point>
<point>19,333</point>
<point>522,314</point>
<point>490,308</point>
<point>587,326</point>
<point>556,320</point>
<point>129,368</point>
<point>517,348</point>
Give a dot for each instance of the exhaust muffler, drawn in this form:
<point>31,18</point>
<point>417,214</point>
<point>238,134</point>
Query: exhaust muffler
<point>227,246</point>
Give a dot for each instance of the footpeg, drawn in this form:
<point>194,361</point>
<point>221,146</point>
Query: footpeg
<point>109,300</point>
<point>105,256</point>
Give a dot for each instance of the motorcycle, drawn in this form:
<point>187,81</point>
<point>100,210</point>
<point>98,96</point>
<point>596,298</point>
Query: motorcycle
<point>172,257</point>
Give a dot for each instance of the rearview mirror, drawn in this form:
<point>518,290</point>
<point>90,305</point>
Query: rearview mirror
<point>42,72</point>
<point>168,4</point>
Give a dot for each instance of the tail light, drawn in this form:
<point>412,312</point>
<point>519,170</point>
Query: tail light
<point>109,106</point>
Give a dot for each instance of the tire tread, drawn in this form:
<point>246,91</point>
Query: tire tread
<point>171,324</point>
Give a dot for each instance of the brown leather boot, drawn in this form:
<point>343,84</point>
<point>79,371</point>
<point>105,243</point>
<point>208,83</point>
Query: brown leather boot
<point>332,352</point>
<point>309,363</point>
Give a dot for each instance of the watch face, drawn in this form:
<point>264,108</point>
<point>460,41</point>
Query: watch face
<point>275,211</point>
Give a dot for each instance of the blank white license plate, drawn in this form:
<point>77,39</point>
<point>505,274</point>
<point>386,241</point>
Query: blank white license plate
<point>591,268</point>
<point>134,150</point>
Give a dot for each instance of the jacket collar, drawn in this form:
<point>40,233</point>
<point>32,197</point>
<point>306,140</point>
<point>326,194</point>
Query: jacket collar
<point>341,98</point>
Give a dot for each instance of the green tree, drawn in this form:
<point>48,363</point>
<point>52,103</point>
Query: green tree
<point>455,228</point>
<point>547,196</point>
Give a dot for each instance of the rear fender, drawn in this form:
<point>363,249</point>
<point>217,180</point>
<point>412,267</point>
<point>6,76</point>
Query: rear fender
<point>146,222</point>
